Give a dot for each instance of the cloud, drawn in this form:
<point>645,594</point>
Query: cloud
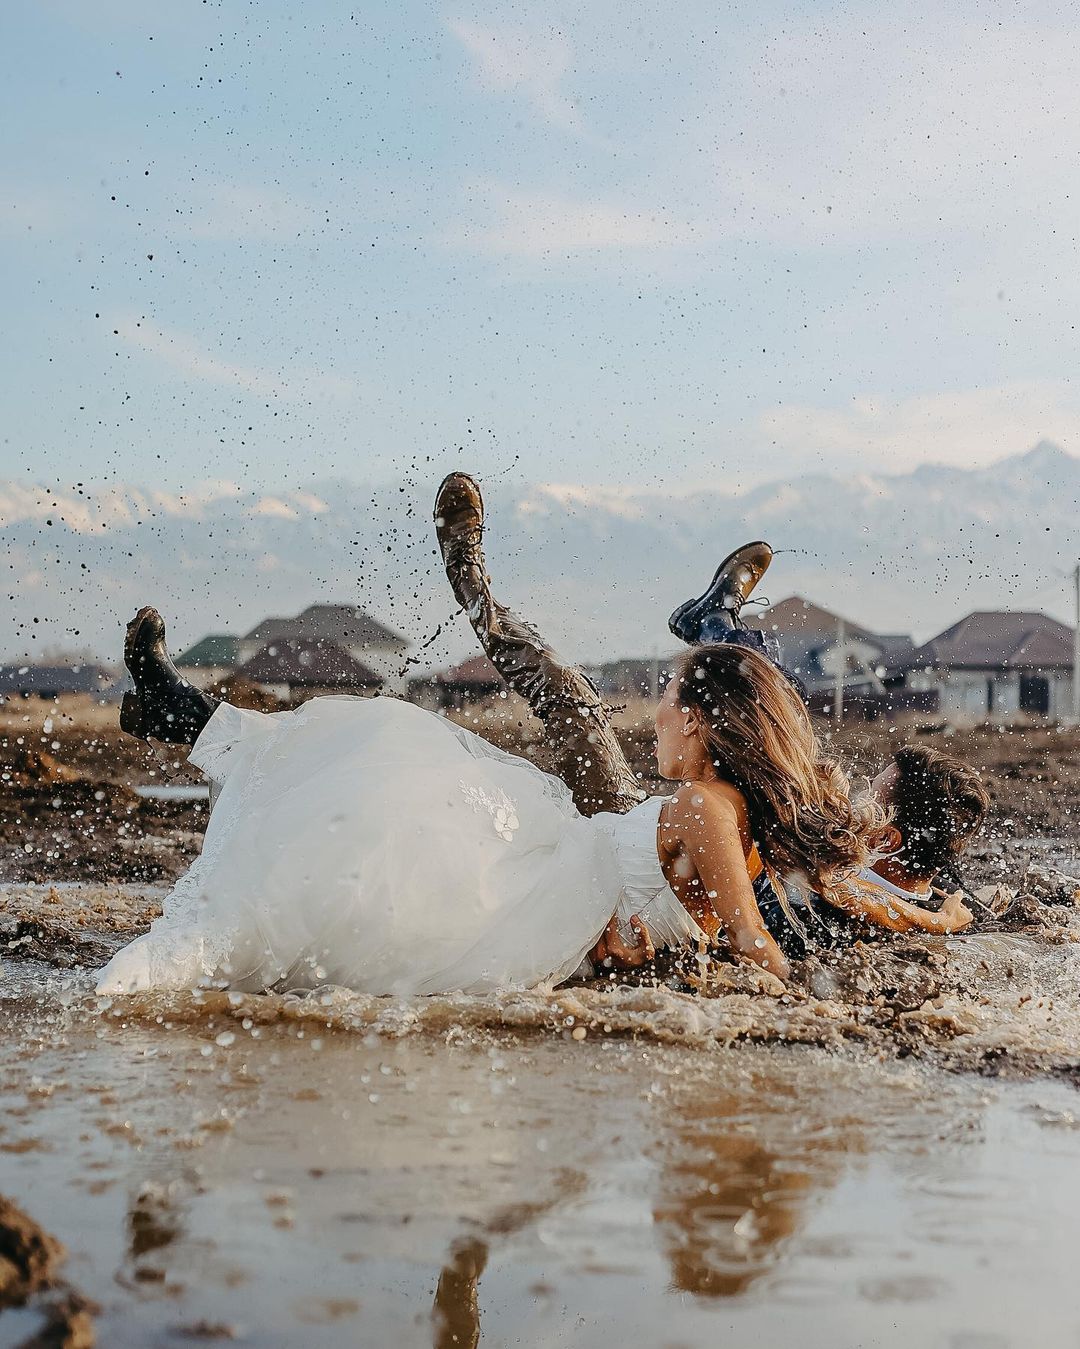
<point>540,224</point>
<point>897,124</point>
<point>965,429</point>
<point>109,507</point>
<point>225,210</point>
<point>184,356</point>
<point>905,126</point>
<point>514,60</point>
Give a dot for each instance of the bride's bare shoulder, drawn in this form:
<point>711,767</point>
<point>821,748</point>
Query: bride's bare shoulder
<point>694,800</point>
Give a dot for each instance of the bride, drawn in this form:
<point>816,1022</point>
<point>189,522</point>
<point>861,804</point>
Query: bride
<point>368,843</point>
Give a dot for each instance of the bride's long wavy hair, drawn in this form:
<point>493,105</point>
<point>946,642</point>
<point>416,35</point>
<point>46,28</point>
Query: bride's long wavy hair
<point>758,733</point>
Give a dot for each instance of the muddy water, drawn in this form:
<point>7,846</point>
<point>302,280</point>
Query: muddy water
<point>419,1182</point>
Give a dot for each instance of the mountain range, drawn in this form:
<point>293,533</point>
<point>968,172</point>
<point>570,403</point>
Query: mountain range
<point>598,568</point>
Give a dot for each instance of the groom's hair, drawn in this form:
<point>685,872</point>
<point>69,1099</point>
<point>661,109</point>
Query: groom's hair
<point>939,805</point>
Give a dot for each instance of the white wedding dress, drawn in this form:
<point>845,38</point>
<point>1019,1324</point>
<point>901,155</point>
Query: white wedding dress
<point>368,843</point>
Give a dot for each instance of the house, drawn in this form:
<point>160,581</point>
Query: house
<point>997,664</point>
<point>818,645</point>
<point>53,681</point>
<point>295,669</point>
<point>632,677</point>
<point>472,681</point>
<point>345,626</point>
<point>210,662</point>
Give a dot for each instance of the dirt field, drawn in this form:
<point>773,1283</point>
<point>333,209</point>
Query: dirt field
<point>69,810</point>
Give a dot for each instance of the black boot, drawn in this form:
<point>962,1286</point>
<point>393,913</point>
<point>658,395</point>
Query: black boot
<point>163,705</point>
<point>716,613</point>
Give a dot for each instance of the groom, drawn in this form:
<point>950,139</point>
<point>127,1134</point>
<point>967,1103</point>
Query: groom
<point>587,754</point>
<point>937,802</point>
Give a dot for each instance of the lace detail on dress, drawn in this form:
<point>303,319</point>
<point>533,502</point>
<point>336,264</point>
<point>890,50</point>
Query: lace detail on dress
<point>554,789</point>
<point>497,804</point>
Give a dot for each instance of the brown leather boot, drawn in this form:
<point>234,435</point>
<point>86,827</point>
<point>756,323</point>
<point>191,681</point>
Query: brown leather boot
<point>588,756</point>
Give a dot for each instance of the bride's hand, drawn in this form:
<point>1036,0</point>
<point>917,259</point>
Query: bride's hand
<point>620,955</point>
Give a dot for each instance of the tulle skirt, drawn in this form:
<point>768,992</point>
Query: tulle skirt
<point>368,843</point>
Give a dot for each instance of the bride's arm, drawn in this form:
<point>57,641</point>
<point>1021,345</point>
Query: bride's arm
<point>707,827</point>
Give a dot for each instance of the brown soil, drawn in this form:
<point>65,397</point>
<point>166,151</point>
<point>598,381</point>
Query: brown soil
<point>29,1263</point>
<point>68,808</point>
<point>69,811</point>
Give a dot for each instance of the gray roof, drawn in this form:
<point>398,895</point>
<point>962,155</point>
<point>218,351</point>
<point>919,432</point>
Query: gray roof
<point>80,677</point>
<point>345,624</point>
<point>1000,640</point>
<point>303,664</point>
<point>798,618</point>
<point>476,672</point>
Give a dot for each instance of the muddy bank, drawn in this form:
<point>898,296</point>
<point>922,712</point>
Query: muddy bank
<point>70,780</point>
<point>55,1316</point>
<point>70,803</point>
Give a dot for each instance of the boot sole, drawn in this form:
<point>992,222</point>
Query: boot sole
<point>440,515</point>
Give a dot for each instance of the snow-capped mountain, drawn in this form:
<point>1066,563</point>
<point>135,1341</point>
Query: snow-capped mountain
<point>598,567</point>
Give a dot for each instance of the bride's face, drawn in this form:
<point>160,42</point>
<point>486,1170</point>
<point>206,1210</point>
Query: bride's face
<point>680,750</point>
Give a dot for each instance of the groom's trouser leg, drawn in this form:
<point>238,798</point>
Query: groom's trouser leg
<point>587,753</point>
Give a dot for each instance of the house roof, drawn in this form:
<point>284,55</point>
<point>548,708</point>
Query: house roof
<point>797,617</point>
<point>81,677</point>
<point>998,640</point>
<point>217,649</point>
<point>304,664</point>
<point>475,672</point>
<point>345,624</point>
<point>806,630</point>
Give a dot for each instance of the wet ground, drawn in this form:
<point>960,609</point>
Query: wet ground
<point>290,1185</point>
<point>883,1153</point>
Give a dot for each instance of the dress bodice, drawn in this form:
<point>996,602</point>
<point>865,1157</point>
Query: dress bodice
<point>645,891</point>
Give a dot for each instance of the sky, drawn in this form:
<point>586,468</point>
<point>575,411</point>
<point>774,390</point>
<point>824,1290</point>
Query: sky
<point>683,244</point>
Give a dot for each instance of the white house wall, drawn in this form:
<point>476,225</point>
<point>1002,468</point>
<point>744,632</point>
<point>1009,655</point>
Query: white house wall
<point>963,693</point>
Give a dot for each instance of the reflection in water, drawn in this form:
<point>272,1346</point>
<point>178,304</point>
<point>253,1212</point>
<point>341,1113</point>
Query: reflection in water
<point>726,1201</point>
<point>154,1221</point>
<point>456,1314</point>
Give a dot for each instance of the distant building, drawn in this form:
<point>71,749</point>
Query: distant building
<point>291,668</point>
<point>345,627</point>
<point>815,648</point>
<point>54,681</point>
<point>472,681</point>
<point>210,662</point>
<point>342,625</point>
<point>995,665</point>
<point>632,677</point>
